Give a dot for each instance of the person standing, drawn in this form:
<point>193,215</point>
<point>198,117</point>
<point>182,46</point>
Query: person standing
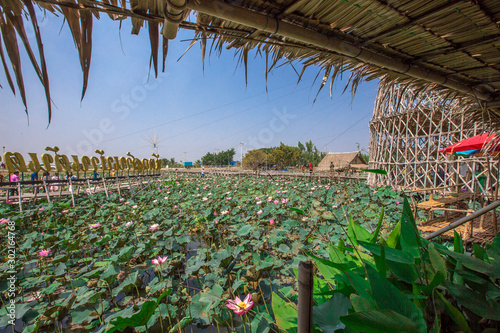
<point>34,178</point>
<point>202,172</point>
<point>55,177</point>
<point>310,169</point>
<point>14,178</point>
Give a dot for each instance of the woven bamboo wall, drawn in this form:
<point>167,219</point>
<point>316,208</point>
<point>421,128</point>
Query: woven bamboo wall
<point>408,129</point>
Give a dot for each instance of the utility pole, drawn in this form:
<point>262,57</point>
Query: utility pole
<point>241,151</point>
<point>216,156</point>
<point>185,156</point>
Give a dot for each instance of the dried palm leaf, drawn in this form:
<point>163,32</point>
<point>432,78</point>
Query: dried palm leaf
<point>154,41</point>
<point>45,75</point>
<point>86,46</point>
<point>10,41</point>
<point>5,68</point>
<point>164,51</point>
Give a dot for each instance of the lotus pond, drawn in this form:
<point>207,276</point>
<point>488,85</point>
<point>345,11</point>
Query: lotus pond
<point>169,258</point>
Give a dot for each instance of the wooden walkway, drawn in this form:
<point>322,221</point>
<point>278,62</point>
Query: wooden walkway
<point>26,191</point>
<point>482,229</point>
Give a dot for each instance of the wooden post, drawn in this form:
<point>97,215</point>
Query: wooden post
<point>90,188</point>
<point>20,197</point>
<point>46,188</point>
<point>118,181</point>
<point>305,303</point>
<point>105,188</point>
<point>71,189</point>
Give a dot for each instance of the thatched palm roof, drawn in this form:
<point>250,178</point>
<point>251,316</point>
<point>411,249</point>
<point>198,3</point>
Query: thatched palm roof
<point>341,160</point>
<point>451,46</point>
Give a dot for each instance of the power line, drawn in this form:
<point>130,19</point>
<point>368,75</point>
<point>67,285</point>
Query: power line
<point>194,114</point>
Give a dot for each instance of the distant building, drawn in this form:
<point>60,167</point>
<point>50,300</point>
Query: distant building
<point>354,160</point>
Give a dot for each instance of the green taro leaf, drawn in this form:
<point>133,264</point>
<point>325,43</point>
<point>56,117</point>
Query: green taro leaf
<point>327,315</point>
<point>458,245</point>
<point>380,321</point>
<point>388,297</point>
<point>127,284</point>
<point>390,253</point>
<point>474,301</point>
<point>137,319</point>
<point>285,314</point>
<point>245,230</point>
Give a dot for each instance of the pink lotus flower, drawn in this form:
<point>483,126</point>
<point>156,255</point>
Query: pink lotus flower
<point>271,221</point>
<point>204,199</point>
<point>215,213</point>
<point>335,207</point>
<point>44,253</point>
<point>259,212</point>
<point>126,202</point>
<point>352,200</point>
<point>305,219</point>
<point>154,227</point>
<point>257,198</point>
<point>166,198</point>
<point>225,212</point>
<point>42,233</point>
<point>155,201</point>
<point>397,203</point>
<point>284,201</point>
<point>94,226</point>
<point>40,209</point>
<point>259,202</point>
<point>65,211</point>
<point>276,201</point>
<point>159,261</point>
<point>176,207</point>
<point>134,206</point>
<point>128,224</point>
<point>229,198</point>
<point>373,185</point>
<point>3,221</point>
<point>121,199</point>
<point>240,307</point>
<point>269,199</point>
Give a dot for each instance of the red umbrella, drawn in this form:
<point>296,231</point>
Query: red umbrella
<point>475,144</point>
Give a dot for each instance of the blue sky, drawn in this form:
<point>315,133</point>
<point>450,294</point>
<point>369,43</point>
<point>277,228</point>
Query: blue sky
<point>190,109</point>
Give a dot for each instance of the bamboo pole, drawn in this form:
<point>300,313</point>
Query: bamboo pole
<point>46,188</point>
<point>305,303</point>
<point>71,189</point>
<point>19,194</point>
<point>105,187</point>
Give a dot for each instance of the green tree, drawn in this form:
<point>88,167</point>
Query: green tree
<point>284,156</point>
<point>254,159</point>
<point>222,158</point>
<point>310,153</point>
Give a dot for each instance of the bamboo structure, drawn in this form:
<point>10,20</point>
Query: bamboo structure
<point>408,129</point>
